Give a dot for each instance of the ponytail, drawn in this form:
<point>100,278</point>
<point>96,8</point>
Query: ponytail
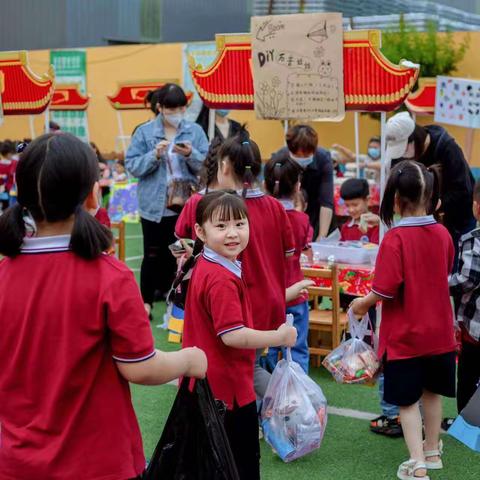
<point>276,175</point>
<point>12,231</point>
<point>435,171</point>
<point>89,237</point>
<point>210,165</point>
<point>244,156</point>
<point>282,175</point>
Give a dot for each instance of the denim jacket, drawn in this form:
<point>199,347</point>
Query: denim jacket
<point>141,162</point>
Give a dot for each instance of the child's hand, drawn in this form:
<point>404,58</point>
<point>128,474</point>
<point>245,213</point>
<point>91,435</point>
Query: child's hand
<point>370,219</point>
<point>297,289</point>
<point>197,362</point>
<point>359,308</point>
<point>288,335</point>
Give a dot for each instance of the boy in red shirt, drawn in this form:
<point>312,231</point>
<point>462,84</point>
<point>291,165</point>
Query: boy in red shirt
<point>355,192</point>
<point>220,321</point>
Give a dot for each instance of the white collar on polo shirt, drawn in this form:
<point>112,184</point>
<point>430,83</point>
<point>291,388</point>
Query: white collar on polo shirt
<point>415,221</point>
<point>252,193</point>
<point>351,223</point>
<point>287,203</point>
<point>234,267</point>
<point>57,243</point>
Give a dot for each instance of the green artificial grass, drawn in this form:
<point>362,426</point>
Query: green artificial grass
<point>349,450</point>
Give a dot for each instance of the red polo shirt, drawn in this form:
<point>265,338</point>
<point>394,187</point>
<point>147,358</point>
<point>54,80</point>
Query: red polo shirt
<point>303,234</point>
<point>217,303</point>
<point>65,411</point>
<point>411,273</point>
<point>263,261</point>
<point>351,231</point>
<point>185,226</point>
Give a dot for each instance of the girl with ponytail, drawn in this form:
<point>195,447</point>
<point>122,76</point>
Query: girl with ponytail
<point>185,226</point>
<point>74,330</point>
<point>271,238</point>
<point>417,342</point>
<point>282,181</point>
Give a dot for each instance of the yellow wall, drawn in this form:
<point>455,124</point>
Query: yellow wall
<point>109,65</point>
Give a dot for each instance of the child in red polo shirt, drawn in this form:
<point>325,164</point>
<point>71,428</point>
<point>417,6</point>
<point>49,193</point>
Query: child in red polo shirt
<point>271,239</point>
<point>355,192</point>
<point>282,180</point>
<point>73,328</point>
<point>417,341</point>
<point>219,320</point>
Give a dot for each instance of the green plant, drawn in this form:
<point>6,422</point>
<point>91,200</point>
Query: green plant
<point>437,54</point>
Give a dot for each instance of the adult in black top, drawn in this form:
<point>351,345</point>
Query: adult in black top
<point>317,179</point>
<point>431,145</point>
<point>224,127</point>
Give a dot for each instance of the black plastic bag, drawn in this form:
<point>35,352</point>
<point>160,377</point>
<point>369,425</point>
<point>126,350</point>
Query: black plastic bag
<point>193,445</point>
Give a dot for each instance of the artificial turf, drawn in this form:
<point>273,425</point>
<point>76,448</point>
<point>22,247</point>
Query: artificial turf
<point>349,450</point>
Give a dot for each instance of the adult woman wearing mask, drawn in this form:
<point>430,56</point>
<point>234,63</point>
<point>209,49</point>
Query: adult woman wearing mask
<point>317,180</point>
<point>224,127</point>
<point>163,152</point>
<point>431,145</point>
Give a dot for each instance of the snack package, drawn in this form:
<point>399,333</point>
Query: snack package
<point>354,361</point>
<point>294,411</point>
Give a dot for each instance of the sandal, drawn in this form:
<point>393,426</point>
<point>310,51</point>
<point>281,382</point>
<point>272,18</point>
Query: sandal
<point>437,464</point>
<point>406,470</point>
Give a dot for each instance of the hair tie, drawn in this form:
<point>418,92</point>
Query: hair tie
<point>248,167</point>
<point>399,172</point>
<point>29,222</point>
<point>246,142</point>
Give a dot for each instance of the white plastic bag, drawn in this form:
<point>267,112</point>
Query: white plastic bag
<point>353,361</point>
<point>294,411</point>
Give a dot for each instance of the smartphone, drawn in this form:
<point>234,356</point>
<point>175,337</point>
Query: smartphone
<point>181,145</point>
<point>176,247</point>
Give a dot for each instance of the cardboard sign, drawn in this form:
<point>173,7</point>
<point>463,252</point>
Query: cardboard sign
<point>457,102</point>
<point>298,66</point>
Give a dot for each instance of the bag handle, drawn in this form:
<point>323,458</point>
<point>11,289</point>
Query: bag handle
<point>359,328</point>
<point>289,322</point>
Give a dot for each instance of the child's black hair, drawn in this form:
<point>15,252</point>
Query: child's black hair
<point>55,174</point>
<point>354,188</point>
<point>476,191</point>
<point>170,95</point>
<point>244,155</point>
<point>414,186</point>
<point>210,165</point>
<point>222,205</point>
<point>282,175</point>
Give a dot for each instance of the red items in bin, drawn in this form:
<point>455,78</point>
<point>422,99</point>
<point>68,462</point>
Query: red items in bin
<point>354,361</point>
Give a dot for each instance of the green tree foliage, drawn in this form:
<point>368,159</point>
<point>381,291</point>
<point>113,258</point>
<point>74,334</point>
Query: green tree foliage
<point>437,54</point>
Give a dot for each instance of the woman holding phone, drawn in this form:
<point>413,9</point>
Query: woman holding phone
<point>166,155</point>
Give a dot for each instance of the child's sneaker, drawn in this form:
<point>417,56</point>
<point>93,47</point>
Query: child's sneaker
<point>389,426</point>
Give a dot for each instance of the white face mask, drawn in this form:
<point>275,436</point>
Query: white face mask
<point>303,161</point>
<point>174,119</point>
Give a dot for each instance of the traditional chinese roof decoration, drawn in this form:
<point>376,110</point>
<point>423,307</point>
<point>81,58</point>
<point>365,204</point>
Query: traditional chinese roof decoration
<point>422,101</point>
<point>371,82</point>
<point>68,97</point>
<point>24,92</point>
<point>132,95</point>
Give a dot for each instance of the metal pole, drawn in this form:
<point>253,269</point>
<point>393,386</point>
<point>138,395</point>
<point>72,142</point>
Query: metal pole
<point>120,129</point>
<point>357,143</point>
<point>47,120</point>
<point>32,126</point>
<point>211,124</point>
<point>384,165</point>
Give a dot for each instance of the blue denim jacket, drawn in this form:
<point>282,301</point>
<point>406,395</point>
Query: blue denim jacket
<point>141,162</point>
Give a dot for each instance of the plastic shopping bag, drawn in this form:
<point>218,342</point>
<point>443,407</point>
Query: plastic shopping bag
<point>193,445</point>
<point>353,361</point>
<point>294,411</point>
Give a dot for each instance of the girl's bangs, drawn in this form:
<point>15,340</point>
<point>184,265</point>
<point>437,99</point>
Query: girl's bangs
<point>230,207</point>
